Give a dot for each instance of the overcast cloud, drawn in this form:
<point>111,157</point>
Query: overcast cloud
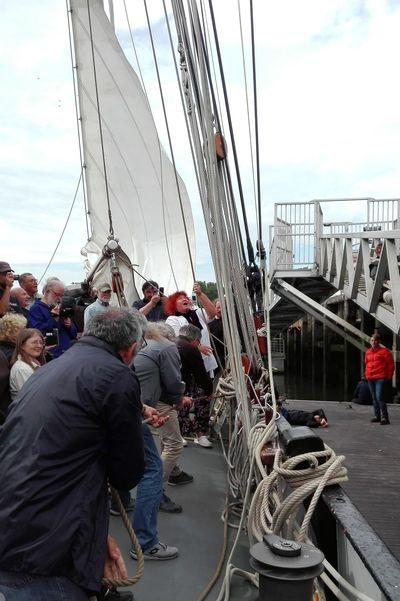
<point>328,113</point>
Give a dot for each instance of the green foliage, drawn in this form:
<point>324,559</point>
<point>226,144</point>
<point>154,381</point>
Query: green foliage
<point>209,288</point>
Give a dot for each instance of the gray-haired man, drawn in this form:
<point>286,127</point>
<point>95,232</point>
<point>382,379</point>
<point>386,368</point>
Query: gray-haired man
<point>158,368</point>
<point>76,426</point>
<point>101,303</point>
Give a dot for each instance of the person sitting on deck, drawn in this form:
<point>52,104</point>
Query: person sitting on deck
<point>29,283</point>
<point>100,304</point>
<point>76,425</point>
<point>180,312</point>
<point>19,301</point>
<point>6,282</point>
<point>199,386</point>
<point>44,315</point>
<point>151,305</point>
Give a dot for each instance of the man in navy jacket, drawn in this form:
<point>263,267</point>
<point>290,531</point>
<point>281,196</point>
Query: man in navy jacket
<point>44,316</point>
<point>76,425</point>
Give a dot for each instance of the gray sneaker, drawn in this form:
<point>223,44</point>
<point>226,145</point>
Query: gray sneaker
<point>160,552</point>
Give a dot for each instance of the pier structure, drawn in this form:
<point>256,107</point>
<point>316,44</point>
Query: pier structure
<point>314,258</point>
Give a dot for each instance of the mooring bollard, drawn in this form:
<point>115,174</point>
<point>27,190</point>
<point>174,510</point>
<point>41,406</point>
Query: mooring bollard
<point>286,568</point>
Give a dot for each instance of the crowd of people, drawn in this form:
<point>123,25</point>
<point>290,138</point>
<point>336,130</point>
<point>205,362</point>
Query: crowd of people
<point>74,406</point>
<point>83,410</point>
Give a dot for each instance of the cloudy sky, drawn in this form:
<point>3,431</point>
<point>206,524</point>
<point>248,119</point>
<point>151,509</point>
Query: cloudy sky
<point>328,110</point>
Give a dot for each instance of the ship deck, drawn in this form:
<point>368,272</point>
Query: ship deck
<point>197,532</point>
<point>372,458</point>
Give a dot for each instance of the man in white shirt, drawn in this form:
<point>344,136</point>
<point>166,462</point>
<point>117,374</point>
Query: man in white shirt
<point>101,303</point>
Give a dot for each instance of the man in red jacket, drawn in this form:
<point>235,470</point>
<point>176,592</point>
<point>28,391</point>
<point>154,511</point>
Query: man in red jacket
<point>379,368</point>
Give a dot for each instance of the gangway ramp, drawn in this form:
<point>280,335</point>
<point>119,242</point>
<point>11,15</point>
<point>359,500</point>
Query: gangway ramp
<point>310,259</point>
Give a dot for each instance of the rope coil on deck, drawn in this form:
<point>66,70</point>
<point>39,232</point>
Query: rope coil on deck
<point>311,480</point>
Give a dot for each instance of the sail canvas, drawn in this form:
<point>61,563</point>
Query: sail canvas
<point>148,215</point>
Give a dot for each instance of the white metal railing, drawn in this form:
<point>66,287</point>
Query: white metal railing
<point>295,238</point>
<point>293,244</point>
<point>343,252</point>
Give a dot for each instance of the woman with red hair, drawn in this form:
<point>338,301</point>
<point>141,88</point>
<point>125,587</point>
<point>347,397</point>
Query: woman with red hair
<point>180,311</point>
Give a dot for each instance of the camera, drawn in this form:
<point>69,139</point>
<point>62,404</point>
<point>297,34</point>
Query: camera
<point>67,307</point>
<point>15,277</point>
<point>51,337</point>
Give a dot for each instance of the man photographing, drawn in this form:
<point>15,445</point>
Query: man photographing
<point>151,305</point>
<point>76,425</point>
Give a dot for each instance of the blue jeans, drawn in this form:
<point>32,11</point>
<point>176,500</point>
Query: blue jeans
<point>376,388</point>
<point>148,494</point>
<point>16,586</point>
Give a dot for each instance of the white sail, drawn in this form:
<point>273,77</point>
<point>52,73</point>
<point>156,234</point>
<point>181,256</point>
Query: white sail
<point>143,196</point>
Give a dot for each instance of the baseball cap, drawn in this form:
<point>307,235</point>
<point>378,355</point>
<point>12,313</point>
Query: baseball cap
<point>5,267</point>
<point>149,284</point>
<point>104,287</point>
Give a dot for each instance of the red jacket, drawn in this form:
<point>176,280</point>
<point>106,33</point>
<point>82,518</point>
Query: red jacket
<point>379,363</point>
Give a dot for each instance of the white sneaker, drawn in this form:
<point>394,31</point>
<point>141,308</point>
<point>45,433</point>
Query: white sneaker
<point>203,442</point>
<point>184,442</point>
<point>160,552</point>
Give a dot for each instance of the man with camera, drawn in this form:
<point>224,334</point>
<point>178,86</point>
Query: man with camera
<point>6,281</point>
<point>151,305</point>
<point>100,304</point>
<point>55,323</point>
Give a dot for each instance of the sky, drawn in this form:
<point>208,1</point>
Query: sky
<point>328,98</point>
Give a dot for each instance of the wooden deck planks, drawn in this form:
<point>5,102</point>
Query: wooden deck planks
<point>373,461</point>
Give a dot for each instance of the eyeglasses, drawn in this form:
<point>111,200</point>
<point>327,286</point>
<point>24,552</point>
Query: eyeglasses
<point>143,342</point>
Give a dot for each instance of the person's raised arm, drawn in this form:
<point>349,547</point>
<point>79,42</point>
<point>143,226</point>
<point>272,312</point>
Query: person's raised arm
<point>208,305</point>
<point>153,302</point>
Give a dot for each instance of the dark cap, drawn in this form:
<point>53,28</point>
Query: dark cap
<point>149,284</point>
<point>4,267</point>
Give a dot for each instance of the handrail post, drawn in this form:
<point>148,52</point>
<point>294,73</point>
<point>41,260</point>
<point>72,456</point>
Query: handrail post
<point>318,218</point>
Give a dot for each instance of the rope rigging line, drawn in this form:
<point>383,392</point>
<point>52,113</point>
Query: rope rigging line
<point>170,142</point>
<point>78,119</point>
<point>218,208</point>
<point>247,109</point>
<point>253,54</point>
<point>181,93</point>
<point>159,146</point>
<point>250,250</point>
<point>111,228</point>
<point>64,228</point>
<point>135,52</point>
<point>217,112</point>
